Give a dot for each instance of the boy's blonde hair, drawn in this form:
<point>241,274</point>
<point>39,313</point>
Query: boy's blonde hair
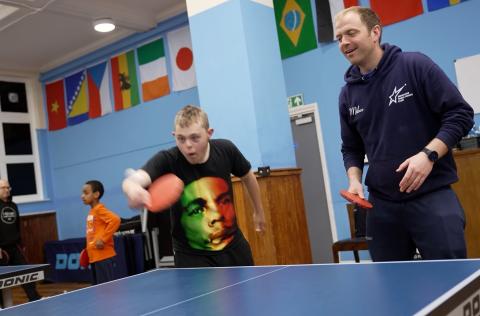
<point>367,16</point>
<point>191,114</point>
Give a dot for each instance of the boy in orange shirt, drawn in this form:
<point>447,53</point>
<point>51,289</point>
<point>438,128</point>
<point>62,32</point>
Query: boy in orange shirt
<point>101,225</point>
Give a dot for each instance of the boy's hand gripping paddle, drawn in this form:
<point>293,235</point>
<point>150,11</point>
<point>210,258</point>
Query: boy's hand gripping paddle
<point>84,260</point>
<point>164,192</point>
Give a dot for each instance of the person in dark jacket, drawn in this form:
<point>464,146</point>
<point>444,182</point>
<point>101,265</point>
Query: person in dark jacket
<point>401,111</point>
<point>10,241</point>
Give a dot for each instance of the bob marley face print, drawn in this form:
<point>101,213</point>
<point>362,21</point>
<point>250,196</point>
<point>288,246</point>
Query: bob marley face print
<point>208,216</point>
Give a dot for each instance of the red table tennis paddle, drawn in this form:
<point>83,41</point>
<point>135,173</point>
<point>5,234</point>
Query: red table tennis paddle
<point>355,199</point>
<point>164,192</point>
<point>84,260</point>
<point>4,258</point>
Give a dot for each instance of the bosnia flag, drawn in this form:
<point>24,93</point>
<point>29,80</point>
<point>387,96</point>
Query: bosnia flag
<point>77,105</point>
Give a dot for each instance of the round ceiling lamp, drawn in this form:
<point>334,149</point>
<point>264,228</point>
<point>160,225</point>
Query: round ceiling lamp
<point>103,25</point>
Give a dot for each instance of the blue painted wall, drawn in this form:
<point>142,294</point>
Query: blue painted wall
<point>104,147</point>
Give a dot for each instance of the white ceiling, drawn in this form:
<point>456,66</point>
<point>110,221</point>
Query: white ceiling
<point>43,34</point>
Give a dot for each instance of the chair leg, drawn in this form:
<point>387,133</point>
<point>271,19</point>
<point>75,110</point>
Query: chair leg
<point>335,256</point>
<point>357,257</point>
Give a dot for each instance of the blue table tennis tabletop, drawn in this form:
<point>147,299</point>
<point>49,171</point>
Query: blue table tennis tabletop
<point>397,288</point>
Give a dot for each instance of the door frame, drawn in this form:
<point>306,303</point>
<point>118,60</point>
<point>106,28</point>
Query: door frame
<point>312,108</point>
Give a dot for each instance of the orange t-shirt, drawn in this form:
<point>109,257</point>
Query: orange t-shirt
<point>101,224</point>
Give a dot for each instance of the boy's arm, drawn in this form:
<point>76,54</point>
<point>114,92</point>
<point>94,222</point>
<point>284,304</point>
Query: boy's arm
<point>112,221</point>
<point>253,189</point>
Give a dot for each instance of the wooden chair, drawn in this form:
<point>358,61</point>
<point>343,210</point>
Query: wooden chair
<point>357,240</point>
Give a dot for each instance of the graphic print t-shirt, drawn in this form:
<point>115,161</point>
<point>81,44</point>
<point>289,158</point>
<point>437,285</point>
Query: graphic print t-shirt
<point>203,220</point>
<point>9,224</point>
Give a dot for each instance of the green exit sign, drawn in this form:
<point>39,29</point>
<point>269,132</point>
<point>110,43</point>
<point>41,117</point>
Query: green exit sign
<point>295,100</point>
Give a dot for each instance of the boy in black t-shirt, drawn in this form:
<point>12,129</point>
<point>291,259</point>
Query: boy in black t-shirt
<point>204,226</point>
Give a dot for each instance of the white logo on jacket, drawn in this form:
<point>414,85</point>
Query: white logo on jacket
<point>396,97</point>
<point>354,110</point>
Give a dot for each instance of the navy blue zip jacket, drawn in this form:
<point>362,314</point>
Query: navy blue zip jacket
<point>395,111</point>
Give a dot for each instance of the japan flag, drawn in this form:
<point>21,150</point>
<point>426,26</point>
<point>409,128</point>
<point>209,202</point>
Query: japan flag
<point>181,58</point>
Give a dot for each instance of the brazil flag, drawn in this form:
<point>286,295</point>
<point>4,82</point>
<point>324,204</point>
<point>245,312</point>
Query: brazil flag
<point>296,33</point>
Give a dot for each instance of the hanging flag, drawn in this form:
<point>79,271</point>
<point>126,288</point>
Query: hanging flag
<point>55,97</point>
<point>181,59</point>
<point>391,12</point>
<point>77,102</point>
<point>153,70</point>
<point>296,33</point>
<point>124,81</point>
<point>99,100</point>
<point>326,11</point>
<point>439,4</point>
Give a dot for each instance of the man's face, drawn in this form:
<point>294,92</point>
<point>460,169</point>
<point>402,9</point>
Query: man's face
<point>354,40</point>
<point>4,190</point>
<point>193,142</point>
<point>208,217</point>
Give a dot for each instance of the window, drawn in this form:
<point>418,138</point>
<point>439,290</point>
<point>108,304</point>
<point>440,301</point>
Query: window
<point>19,161</point>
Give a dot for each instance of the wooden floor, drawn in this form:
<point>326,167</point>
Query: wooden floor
<point>46,289</point>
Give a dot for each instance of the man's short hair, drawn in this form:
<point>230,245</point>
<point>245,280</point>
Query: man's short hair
<point>189,115</point>
<point>96,186</point>
<point>367,16</point>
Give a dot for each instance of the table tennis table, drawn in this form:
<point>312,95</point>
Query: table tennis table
<point>11,276</point>
<point>449,287</point>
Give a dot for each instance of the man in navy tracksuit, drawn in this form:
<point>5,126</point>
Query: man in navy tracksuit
<point>403,112</point>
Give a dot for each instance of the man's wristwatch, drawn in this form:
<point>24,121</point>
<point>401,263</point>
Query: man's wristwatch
<point>431,154</point>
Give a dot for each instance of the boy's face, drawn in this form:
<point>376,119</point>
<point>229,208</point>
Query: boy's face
<point>88,196</point>
<point>193,142</point>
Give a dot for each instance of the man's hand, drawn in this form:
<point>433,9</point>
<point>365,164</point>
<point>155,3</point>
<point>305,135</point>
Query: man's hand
<point>418,168</point>
<point>356,187</point>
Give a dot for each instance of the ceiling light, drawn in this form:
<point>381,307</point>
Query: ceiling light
<point>103,25</point>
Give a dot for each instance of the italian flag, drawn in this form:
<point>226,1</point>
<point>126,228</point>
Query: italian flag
<point>124,81</point>
<point>153,70</point>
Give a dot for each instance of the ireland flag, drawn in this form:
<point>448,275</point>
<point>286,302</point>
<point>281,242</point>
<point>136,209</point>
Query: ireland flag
<point>153,70</point>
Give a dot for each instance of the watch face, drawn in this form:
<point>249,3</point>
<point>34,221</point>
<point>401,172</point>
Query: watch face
<point>433,156</point>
